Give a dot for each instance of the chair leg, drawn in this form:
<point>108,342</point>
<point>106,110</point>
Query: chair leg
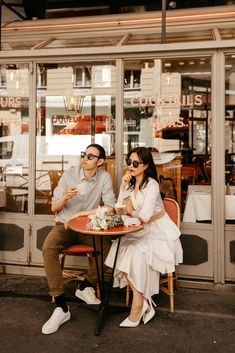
<point>171,292</point>
<point>98,290</point>
<point>62,260</point>
<point>69,276</point>
<point>177,285</point>
<point>128,289</point>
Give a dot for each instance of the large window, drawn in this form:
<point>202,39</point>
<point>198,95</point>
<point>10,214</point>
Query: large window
<point>229,120</point>
<point>74,109</point>
<point>14,138</point>
<point>170,112</point>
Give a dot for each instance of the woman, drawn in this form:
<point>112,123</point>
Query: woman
<point>155,249</point>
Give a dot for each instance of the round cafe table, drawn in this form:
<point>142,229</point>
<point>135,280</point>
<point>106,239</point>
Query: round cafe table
<point>80,224</point>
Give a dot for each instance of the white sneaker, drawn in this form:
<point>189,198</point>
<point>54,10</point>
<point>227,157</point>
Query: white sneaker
<point>88,295</point>
<point>57,318</point>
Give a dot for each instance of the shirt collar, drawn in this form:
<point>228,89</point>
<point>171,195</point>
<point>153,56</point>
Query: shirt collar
<point>82,176</point>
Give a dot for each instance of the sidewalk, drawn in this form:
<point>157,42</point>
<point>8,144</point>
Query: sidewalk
<point>204,321</point>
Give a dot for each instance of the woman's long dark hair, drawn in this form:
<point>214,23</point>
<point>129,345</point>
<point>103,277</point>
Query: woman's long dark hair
<point>145,156</point>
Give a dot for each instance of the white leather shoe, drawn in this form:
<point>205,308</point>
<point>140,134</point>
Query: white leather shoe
<point>148,315</point>
<point>128,323</point>
<point>57,318</point>
<point>88,295</point>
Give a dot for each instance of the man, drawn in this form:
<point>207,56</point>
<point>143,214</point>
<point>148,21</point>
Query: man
<point>79,192</point>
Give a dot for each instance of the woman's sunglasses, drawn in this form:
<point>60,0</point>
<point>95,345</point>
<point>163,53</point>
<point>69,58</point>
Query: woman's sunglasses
<point>135,164</point>
<point>89,156</point>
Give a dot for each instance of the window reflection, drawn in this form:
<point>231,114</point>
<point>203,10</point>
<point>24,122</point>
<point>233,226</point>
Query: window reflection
<point>14,142</point>
<point>229,175</point>
<point>170,111</point>
<point>76,108</point>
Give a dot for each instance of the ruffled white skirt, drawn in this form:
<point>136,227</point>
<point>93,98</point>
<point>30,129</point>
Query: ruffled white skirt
<point>143,255</point>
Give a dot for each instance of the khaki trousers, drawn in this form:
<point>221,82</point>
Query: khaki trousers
<point>59,239</point>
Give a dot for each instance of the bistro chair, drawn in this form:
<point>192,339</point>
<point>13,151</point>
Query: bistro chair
<point>166,281</point>
<point>207,169</point>
<point>54,177</point>
<point>188,176</point>
<point>77,250</point>
<point>167,187</point>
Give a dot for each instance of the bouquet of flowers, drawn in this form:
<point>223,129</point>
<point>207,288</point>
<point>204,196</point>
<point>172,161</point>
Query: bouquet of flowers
<point>104,220</point>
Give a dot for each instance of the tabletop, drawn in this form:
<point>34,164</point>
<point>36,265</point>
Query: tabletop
<point>79,224</point>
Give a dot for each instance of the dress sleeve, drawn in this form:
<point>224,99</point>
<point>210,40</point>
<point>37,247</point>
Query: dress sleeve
<point>123,195</point>
<point>150,196</point>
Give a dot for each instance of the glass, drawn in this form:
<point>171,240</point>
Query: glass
<point>62,135</point>
<point>173,118</point>
<point>135,164</point>
<point>14,137</point>
<point>229,154</point>
<point>82,76</point>
<point>89,156</point>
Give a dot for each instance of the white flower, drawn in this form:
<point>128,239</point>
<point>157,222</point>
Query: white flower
<point>104,220</point>
<point>103,224</point>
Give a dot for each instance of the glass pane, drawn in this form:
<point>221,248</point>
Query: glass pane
<point>76,107</point>
<point>14,137</point>
<point>170,112</point>
<point>229,138</point>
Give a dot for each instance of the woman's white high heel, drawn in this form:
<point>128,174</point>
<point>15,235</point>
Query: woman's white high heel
<point>128,323</point>
<point>150,314</point>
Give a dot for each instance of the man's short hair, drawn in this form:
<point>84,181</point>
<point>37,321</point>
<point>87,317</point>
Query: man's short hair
<point>101,150</point>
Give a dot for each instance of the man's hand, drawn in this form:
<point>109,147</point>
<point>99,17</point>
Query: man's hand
<point>71,192</point>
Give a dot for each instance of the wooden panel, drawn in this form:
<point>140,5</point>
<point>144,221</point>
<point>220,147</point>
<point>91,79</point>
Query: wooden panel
<point>109,165</point>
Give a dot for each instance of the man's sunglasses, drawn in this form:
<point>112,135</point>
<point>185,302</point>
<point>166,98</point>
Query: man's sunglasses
<point>89,156</point>
<point>135,164</point>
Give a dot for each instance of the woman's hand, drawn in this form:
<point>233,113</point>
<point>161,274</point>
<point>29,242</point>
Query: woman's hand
<point>125,180</point>
<point>127,207</point>
<point>121,210</point>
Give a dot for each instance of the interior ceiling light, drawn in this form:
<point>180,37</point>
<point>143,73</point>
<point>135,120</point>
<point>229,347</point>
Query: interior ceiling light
<point>172,5</point>
<point>12,67</point>
<point>202,62</point>
<point>73,104</point>
<point>148,64</point>
<point>191,62</point>
<point>167,64</point>
<point>181,63</point>
<point>198,74</point>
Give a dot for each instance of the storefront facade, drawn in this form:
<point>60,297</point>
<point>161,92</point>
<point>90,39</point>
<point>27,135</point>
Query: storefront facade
<point>177,98</point>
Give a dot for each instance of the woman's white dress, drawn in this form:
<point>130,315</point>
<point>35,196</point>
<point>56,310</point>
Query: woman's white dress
<point>145,254</point>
